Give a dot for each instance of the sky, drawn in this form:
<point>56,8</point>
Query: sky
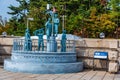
<point>4,7</point>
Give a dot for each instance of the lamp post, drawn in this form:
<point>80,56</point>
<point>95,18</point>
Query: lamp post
<point>29,19</point>
<point>63,22</point>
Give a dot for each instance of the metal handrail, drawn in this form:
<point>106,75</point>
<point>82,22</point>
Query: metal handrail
<point>18,45</point>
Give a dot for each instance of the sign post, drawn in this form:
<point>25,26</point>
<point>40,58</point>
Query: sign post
<point>100,56</point>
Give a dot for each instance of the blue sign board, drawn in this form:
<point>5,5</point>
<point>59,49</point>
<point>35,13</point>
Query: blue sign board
<point>100,55</point>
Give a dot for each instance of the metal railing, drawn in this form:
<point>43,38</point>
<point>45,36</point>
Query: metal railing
<point>18,45</point>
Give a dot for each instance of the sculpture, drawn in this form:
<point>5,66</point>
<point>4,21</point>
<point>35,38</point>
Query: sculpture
<point>63,41</point>
<point>49,60</point>
<point>56,23</point>
<point>40,33</point>
<point>28,41</point>
<point>48,28</point>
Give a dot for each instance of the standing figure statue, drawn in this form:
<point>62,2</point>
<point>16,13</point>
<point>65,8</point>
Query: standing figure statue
<point>28,41</point>
<point>48,28</point>
<point>63,41</point>
<point>56,23</point>
<point>40,34</point>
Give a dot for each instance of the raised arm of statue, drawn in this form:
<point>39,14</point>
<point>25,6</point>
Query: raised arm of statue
<point>41,31</point>
<point>50,12</point>
<point>35,32</point>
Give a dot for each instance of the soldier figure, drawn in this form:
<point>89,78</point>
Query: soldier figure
<point>63,41</point>
<point>40,34</point>
<point>28,41</point>
<point>48,28</point>
<point>56,23</point>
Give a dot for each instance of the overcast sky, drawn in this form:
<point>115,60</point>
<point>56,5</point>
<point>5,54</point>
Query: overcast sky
<point>4,7</point>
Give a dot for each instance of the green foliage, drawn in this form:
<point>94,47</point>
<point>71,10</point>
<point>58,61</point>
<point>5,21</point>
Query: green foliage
<point>86,18</point>
<point>18,21</point>
<point>37,11</point>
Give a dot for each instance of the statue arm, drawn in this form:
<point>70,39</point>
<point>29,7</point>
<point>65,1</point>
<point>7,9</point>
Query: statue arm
<point>35,32</point>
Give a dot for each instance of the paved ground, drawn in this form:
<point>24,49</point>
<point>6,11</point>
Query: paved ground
<point>85,75</point>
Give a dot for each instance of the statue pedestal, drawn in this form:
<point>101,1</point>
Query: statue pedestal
<point>40,62</point>
<point>52,45</point>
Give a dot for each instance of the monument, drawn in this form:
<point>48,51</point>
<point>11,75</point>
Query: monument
<point>28,41</point>
<point>40,34</point>
<point>51,57</point>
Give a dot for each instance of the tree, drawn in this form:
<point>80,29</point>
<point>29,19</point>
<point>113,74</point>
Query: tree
<point>86,18</point>
<point>19,13</point>
<point>100,23</point>
<point>113,9</point>
<point>21,10</point>
<point>37,11</point>
<point>3,24</point>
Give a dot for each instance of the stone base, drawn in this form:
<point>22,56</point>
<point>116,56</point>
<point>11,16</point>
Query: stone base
<point>42,68</point>
<point>44,57</point>
<point>113,67</point>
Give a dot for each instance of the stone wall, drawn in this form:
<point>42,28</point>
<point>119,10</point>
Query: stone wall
<point>85,49</point>
<point>6,44</point>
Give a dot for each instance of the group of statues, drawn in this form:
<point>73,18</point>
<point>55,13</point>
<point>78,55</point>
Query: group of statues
<point>51,30</point>
<point>52,26</point>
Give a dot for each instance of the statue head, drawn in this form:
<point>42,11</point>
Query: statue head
<point>41,31</point>
<point>27,30</point>
<point>64,31</point>
<point>49,19</point>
